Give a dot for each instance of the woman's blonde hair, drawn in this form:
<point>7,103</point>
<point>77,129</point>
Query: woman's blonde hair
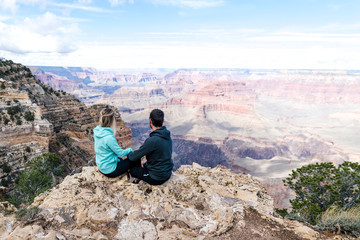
<point>107,116</point>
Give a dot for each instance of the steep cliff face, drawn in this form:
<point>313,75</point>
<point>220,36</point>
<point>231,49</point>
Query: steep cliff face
<point>24,133</point>
<point>196,203</point>
<point>36,119</point>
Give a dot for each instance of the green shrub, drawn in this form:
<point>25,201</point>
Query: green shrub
<point>321,186</point>
<point>294,216</point>
<point>14,110</point>
<point>335,219</point>
<point>27,214</point>
<point>29,116</point>
<point>6,168</point>
<point>36,178</point>
<point>282,212</point>
<point>18,122</point>
<point>28,149</point>
<point>2,85</point>
<point>4,182</point>
<point>6,121</point>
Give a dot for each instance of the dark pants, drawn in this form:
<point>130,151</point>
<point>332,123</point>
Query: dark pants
<point>121,168</point>
<point>143,174</point>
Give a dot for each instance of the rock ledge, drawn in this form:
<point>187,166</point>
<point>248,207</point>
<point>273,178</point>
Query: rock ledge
<point>196,203</point>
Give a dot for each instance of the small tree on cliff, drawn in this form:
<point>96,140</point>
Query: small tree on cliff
<point>321,186</point>
<point>36,178</point>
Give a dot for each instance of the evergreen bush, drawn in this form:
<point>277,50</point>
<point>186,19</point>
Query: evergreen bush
<point>6,168</point>
<point>29,116</point>
<point>4,182</point>
<point>13,110</point>
<point>321,186</point>
<point>6,121</point>
<point>36,178</point>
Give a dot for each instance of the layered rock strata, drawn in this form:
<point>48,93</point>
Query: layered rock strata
<point>36,119</point>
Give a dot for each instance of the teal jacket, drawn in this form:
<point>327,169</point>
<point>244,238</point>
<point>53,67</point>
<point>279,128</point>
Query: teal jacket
<point>107,149</point>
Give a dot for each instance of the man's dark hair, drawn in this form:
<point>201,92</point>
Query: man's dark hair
<point>157,117</point>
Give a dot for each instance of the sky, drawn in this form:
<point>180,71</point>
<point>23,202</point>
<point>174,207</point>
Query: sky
<point>115,34</point>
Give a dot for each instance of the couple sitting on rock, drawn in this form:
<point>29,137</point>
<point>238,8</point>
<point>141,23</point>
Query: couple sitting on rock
<point>113,161</point>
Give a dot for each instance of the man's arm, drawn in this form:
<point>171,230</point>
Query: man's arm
<point>146,148</point>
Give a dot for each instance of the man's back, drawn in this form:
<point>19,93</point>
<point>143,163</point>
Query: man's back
<point>158,151</point>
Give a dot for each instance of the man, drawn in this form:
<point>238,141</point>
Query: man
<point>157,149</point>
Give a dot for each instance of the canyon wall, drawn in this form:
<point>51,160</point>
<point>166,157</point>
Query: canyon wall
<point>261,122</point>
<point>36,119</point>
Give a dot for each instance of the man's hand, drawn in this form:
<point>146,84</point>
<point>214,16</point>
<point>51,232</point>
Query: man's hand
<point>143,161</point>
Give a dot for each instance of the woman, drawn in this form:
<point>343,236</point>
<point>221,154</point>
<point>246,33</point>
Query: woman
<point>108,153</point>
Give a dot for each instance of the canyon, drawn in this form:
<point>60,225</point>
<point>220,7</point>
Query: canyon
<point>260,122</point>
<point>221,201</point>
<point>37,119</point>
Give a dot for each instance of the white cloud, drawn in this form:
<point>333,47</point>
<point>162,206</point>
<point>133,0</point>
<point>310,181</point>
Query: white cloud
<point>79,7</point>
<point>189,3</point>
<point>337,27</point>
<point>12,5</point>
<point>4,18</point>
<point>42,34</point>
<point>205,55</point>
<point>314,38</point>
<point>85,1</point>
<point>48,24</point>
<point>9,5</point>
<point>335,6</point>
<point>119,2</point>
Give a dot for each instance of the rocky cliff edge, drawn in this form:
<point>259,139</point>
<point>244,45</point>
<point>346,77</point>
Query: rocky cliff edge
<point>196,203</point>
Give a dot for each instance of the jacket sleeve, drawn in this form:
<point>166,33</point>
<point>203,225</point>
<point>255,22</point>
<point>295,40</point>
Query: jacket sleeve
<point>114,146</point>
<point>146,148</point>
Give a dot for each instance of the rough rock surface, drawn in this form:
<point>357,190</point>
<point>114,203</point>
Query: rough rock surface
<point>196,203</point>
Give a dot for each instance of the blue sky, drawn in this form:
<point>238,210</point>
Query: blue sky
<point>110,34</point>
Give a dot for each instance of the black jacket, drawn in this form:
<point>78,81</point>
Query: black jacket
<point>157,149</point>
